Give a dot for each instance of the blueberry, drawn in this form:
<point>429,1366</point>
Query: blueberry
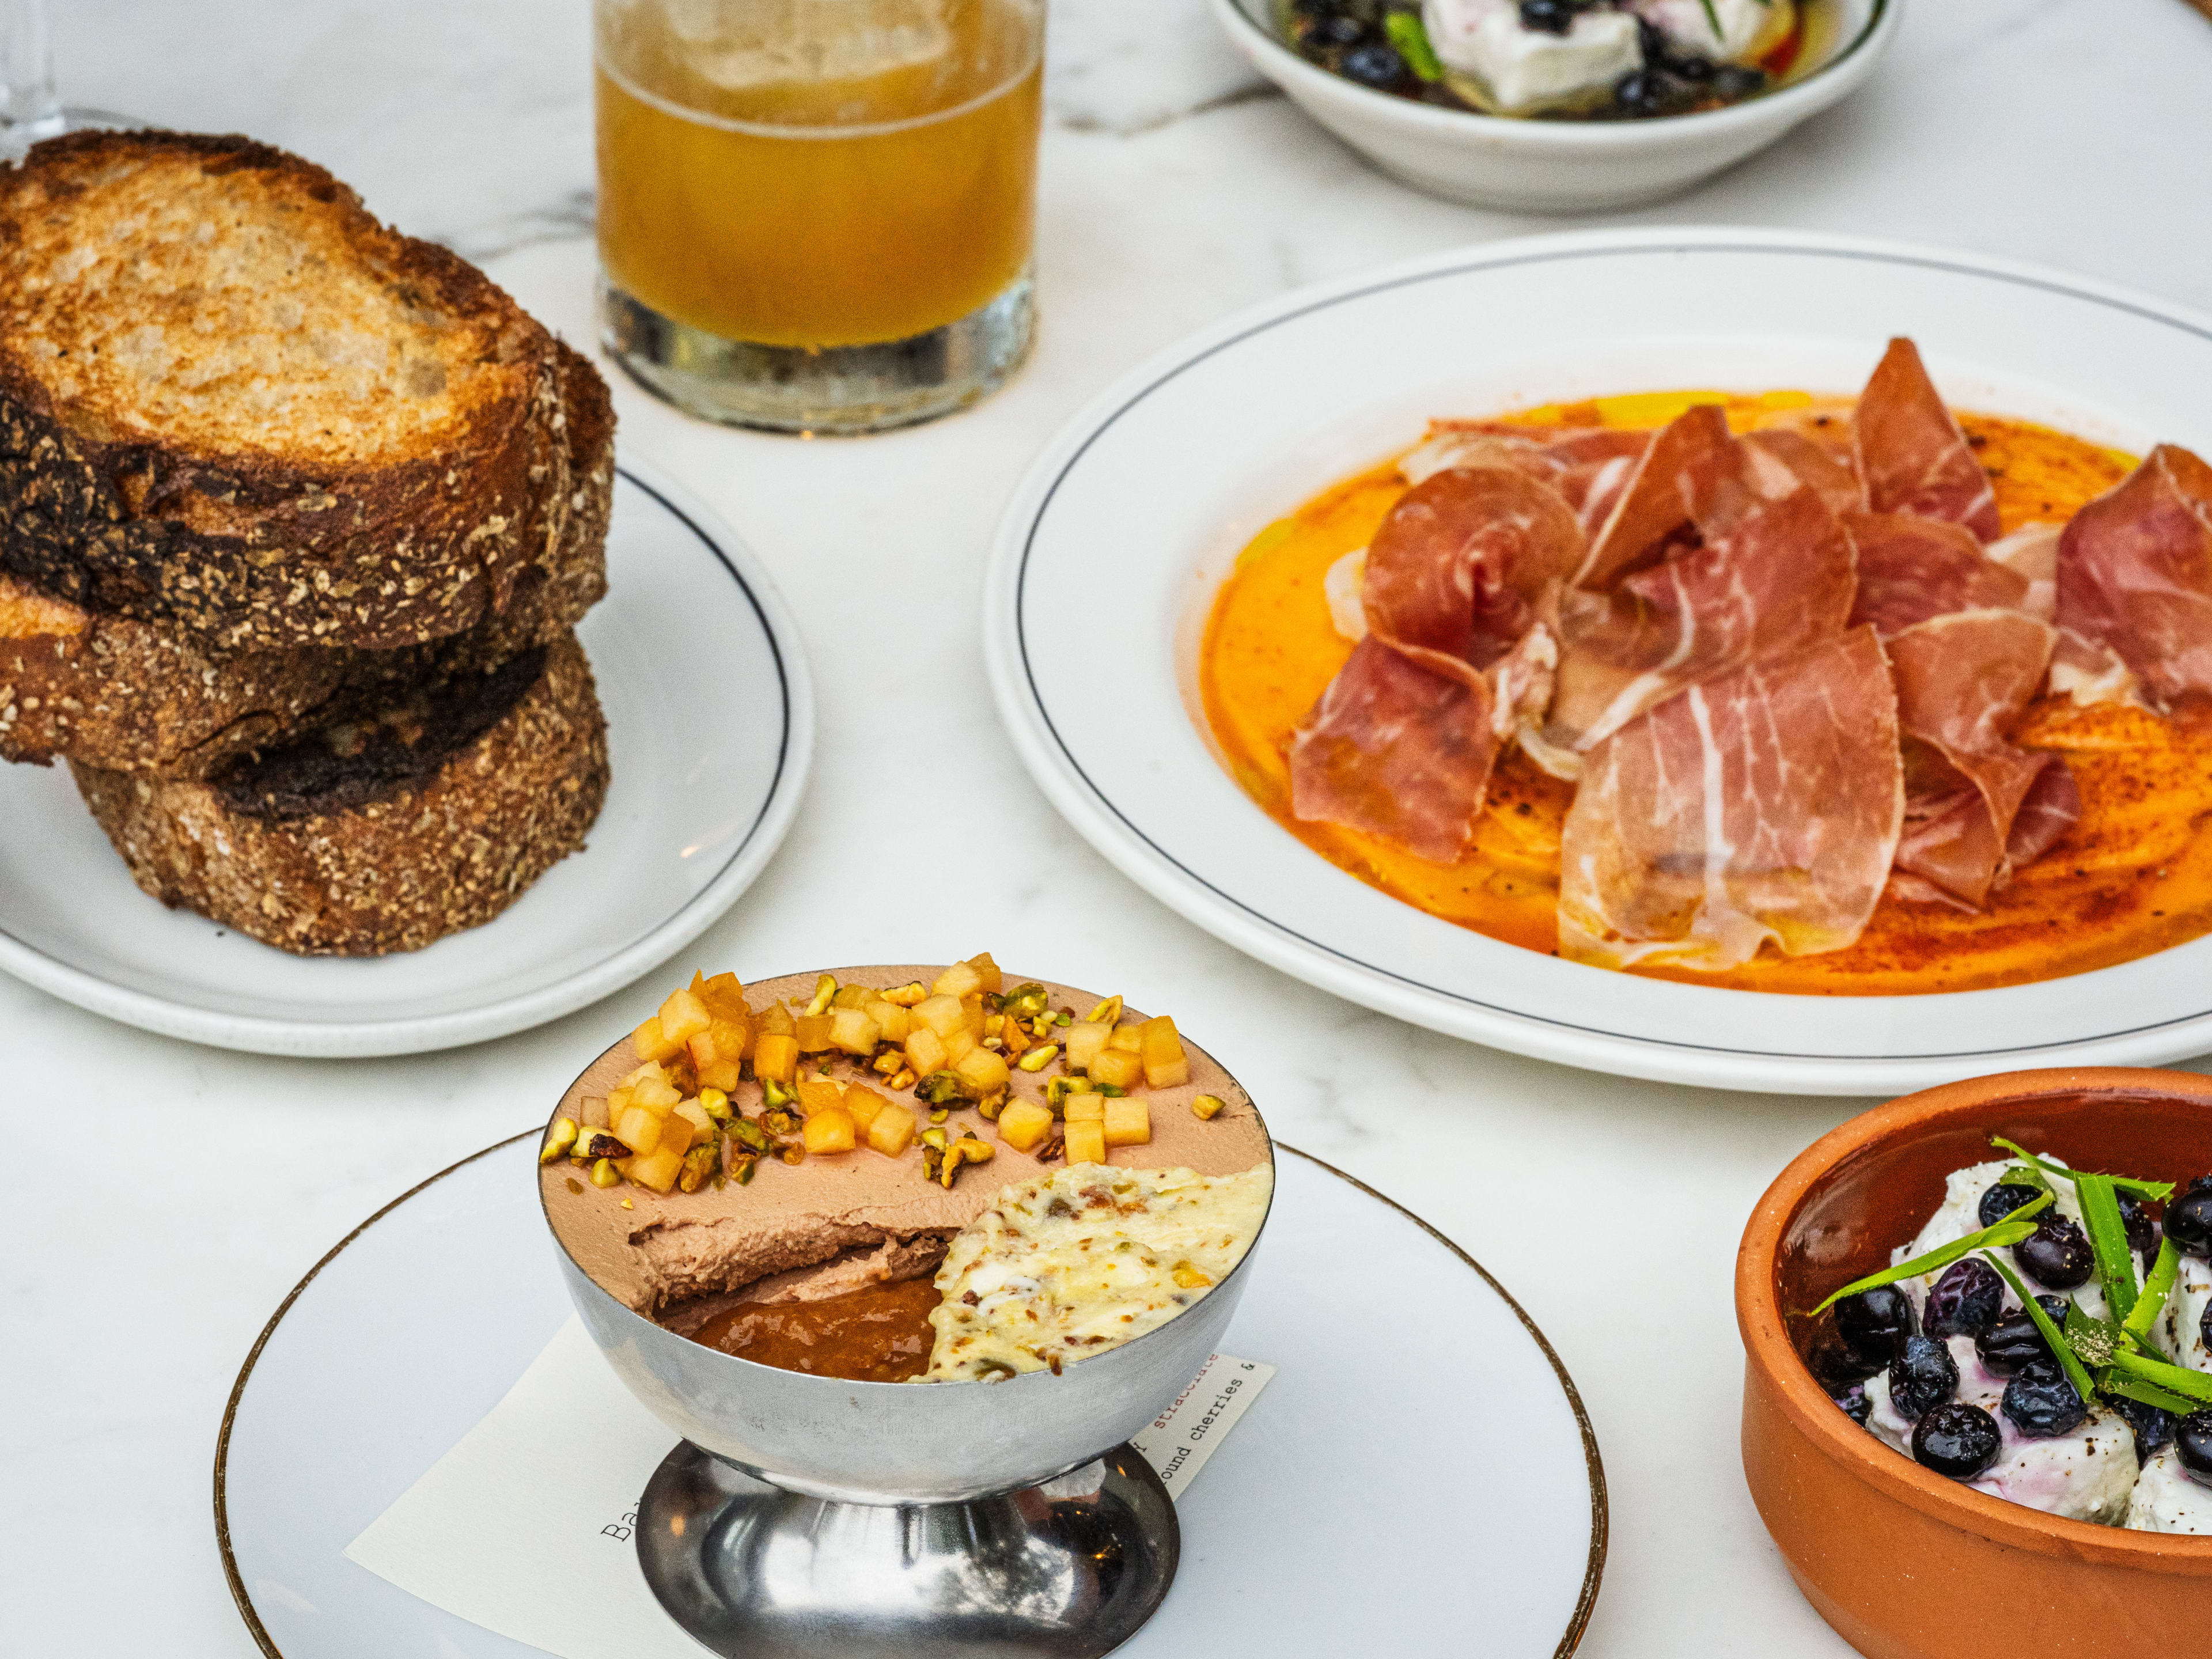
<point>2014,1341</point>
<point>1338,30</point>
<point>1856,1403</point>
<point>2189,1218</point>
<point>2204,1325</point>
<point>1835,1366</point>
<point>1693,68</point>
<point>1965,1301</point>
<point>1547,16</point>
<point>1956,1439</point>
<point>2056,1254</point>
<point>2142,1231</point>
<point>1875,1323</point>
<point>2153,1428</point>
<point>1922,1376</point>
<point>1377,66</point>
<point>2193,1439</point>
<point>2042,1402</point>
<point>1637,92</point>
<point>1734,81</point>
<point>2001,1199</point>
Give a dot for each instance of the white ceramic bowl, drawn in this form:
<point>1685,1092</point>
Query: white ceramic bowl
<point>1556,166</point>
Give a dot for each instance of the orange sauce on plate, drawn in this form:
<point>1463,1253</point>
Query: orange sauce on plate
<point>2132,877</point>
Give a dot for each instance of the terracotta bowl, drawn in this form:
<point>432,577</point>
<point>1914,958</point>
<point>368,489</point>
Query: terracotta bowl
<point>1903,1563</point>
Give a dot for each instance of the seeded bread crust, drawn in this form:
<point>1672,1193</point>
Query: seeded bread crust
<point>234,404</point>
<point>129,696</point>
<point>395,872</point>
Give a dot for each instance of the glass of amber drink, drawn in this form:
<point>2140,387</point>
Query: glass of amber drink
<point>815,215</point>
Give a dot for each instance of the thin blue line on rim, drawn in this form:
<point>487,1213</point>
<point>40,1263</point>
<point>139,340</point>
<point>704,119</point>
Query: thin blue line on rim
<point>1926,262</point>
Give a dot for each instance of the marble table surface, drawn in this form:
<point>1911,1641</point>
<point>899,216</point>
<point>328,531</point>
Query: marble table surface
<point>1174,188</point>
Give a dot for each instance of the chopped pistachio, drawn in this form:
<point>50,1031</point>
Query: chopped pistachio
<point>745,1172</point>
<point>750,1133</point>
<point>716,1105</point>
<point>700,1164</point>
<point>991,1104</point>
<point>993,1026</point>
<point>906,995</point>
<point>574,1185</point>
<point>931,1160</point>
<point>1207,1106</point>
<point>996,1045</point>
<point>949,1165</point>
<point>777,1094</point>
<point>1108,1012</point>
<point>598,1143</point>
<point>940,1113</point>
<point>973,1150</point>
<point>558,1140</point>
<point>1024,1001</point>
<point>940,1087</point>
<point>626,1205</point>
<point>794,1154</point>
<point>933,1138</point>
<point>1056,1147</point>
<point>603,1174</point>
<point>903,1078</point>
<point>1037,1059</point>
<point>887,1063</point>
<point>825,988</point>
<point>1111,1090</point>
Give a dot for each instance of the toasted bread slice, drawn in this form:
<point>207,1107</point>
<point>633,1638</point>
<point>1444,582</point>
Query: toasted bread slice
<point>381,835</point>
<point>234,404</point>
<point>129,696</point>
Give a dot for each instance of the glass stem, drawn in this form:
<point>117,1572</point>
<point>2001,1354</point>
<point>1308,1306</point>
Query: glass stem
<point>26,67</point>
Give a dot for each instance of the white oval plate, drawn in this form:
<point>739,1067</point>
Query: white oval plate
<point>710,731</point>
<point>1108,558</point>
<point>420,1320</point>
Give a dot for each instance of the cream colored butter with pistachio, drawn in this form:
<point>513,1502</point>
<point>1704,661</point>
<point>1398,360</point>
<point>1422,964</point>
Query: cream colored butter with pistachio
<point>1070,1264</point>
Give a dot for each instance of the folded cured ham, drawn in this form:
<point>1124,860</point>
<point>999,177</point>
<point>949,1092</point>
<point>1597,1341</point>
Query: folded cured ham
<point>1762,805</point>
<point>2135,582</point>
<point>1786,668</point>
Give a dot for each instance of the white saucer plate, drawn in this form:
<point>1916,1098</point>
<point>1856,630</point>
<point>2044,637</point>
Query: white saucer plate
<point>1107,561</point>
<point>1420,1465</point>
<point>710,719</point>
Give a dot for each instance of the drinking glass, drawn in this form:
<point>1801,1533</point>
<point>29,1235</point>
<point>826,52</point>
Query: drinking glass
<point>815,215</point>
<point>29,110</point>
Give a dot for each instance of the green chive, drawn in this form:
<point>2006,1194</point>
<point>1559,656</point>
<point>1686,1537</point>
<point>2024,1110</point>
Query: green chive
<point>2156,1290</point>
<point>1411,39</point>
<point>2194,1386</point>
<point>2149,1394</point>
<point>2058,1344</point>
<point>2094,1341</point>
<point>2011,1231</point>
<point>2108,1243</point>
<point>2160,1190</point>
<point>1714,17</point>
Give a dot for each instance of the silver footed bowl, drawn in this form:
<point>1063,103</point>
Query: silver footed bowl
<point>906,1442</point>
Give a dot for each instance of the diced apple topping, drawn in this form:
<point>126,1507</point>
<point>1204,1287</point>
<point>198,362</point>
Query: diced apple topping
<point>962,1042</point>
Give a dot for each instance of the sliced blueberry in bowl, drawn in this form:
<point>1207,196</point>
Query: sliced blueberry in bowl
<point>1965,1301</point>
<point>1957,1440</point>
<point>2041,1401</point>
<point>1922,1376</point>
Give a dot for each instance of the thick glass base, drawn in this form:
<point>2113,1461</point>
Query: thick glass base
<point>824,389</point>
<point>1068,1570</point>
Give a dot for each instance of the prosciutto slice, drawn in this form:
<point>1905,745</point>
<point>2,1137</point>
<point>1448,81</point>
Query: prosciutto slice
<point>1770,576</point>
<point>2135,577</point>
<point>1673,483</point>
<point>1912,457</point>
<point>1459,581</point>
<point>1912,568</point>
<point>1962,682</point>
<point>1764,804</point>
<point>1589,465</point>
<point>1790,459</point>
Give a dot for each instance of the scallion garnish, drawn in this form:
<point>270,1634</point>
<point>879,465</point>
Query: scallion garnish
<point>2156,1288</point>
<point>2160,1190</point>
<point>2108,1241</point>
<point>2149,1394</point>
<point>2094,1341</point>
<point>2060,1347</point>
<point>1713,16</point>
<point>2194,1386</point>
<point>1411,38</point>
<point>2011,1231</point>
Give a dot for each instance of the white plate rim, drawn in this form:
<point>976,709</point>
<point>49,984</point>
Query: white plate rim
<point>424,1034</point>
<point>1601,1520</point>
<point>1124,843</point>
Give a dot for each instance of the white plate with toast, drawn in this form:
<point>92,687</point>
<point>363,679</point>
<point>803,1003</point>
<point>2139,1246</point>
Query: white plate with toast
<point>695,811</point>
<point>1174,470</point>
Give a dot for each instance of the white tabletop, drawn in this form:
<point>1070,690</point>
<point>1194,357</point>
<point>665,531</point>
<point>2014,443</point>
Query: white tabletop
<point>196,1186</point>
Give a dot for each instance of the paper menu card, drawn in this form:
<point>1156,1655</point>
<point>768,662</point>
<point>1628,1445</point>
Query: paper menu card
<point>536,1545</point>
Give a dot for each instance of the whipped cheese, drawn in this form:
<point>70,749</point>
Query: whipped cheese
<point>1745,26</point>
<point>1068,1264</point>
<point>1523,68</point>
<point>2167,1500</point>
<point>1960,1214</point>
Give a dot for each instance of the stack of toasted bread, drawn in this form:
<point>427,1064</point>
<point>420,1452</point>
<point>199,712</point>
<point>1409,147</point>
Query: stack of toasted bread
<point>297,518</point>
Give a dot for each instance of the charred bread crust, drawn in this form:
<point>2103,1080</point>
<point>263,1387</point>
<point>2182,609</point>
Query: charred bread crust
<point>378,860</point>
<point>129,696</point>
<point>261,545</point>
